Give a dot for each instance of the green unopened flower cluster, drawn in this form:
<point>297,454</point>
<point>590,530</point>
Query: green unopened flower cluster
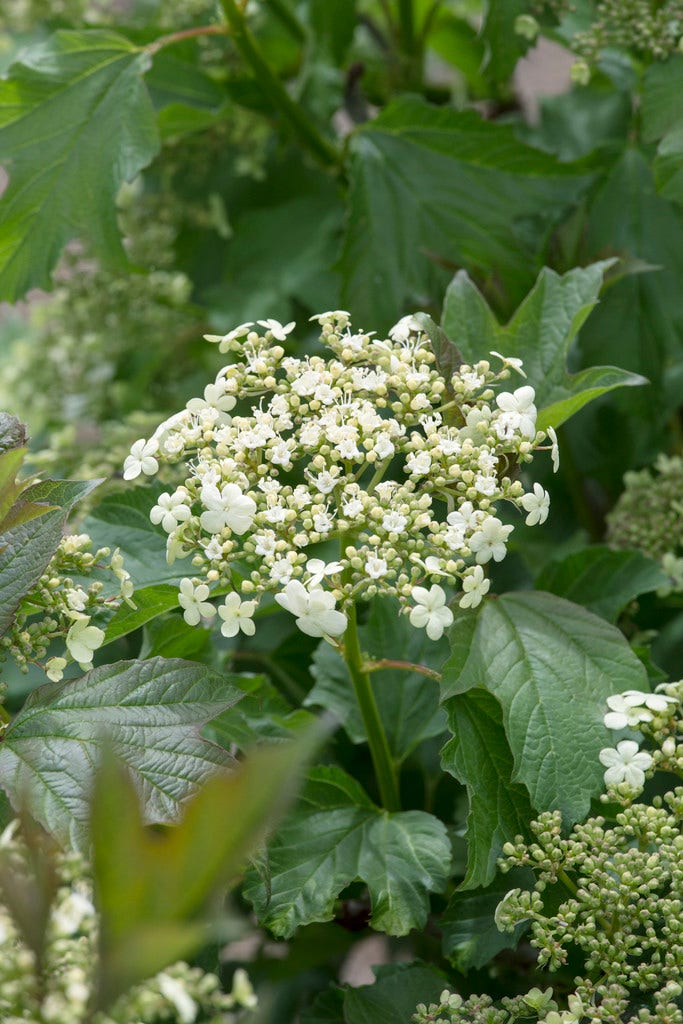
<point>649,517</point>
<point>649,28</point>
<point>371,448</point>
<point>60,608</point>
<point>61,994</point>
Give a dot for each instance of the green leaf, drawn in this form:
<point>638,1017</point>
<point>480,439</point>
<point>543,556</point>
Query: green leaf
<point>602,580</point>
<point>448,357</point>
<point>408,702</point>
<point>153,887</point>
<point>662,121</point>
<point>548,662</point>
<point>337,836</point>
<point>75,123</point>
<point>437,186</point>
<point>261,714</point>
<point>148,711</point>
<point>333,23</point>
<point>394,995</point>
<point>470,935</point>
<point>31,528</point>
<point>150,602</point>
<point>541,333</point>
<point>504,45</point>
<point>479,756</point>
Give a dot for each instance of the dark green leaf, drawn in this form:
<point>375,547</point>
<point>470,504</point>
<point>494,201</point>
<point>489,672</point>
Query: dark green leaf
<point>408,702</point>
<point>504,45</point>
<point>261,714</point>
<point>148,711</point>
<point>433,185</point>
<point>448,357</point>
<point>602,580</point>
<point>149,603</point>
<point>545,659</point>
<point>333,23</point>
<point>540,333</point>
<point>479,756</point>
<point>337,836</point>
<point>75,123</point>
<point>470,935</point>
<point>394,995</point>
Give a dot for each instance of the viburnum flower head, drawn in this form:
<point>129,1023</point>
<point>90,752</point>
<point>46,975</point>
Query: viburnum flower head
<point>361,447</point>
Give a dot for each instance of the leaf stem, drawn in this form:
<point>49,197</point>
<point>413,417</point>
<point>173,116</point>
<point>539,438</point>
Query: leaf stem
<point>385,769</point>
<point>406,16</point>
<point>186,33</point>
<point>288,19</point>
<point>299,121</point>
<point>402,666</point>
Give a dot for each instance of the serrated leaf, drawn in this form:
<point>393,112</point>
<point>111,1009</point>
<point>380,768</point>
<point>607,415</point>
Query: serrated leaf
<point>152,887</point>
<point>150,602</point>
<point>75,123</point>
<point>436,186</point>
<point>541,656</point>
<point>408,702</point>
<point>336,836</point>
<point>479,756</point>
<point>31,531</point>
<point>602,580</point>
<point>540,333</point>
<point>148,711</point>
<point>470,935</point>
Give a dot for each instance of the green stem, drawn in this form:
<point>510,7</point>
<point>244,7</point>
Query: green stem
<point>567,882</point>
<point>406,16</point>
<point>288,19</point>
<point>385,769</point>
<point>186,33</point>
<point>300,123</point>
<point>402,666</point>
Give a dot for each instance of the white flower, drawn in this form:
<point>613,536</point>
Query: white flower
<point>225,341</point>
<point>514,363</point>
<point>215,397</point>
<point>276,329</point>
<point>394,522</point>
<point>625,764</point>
<point>193,600</point>
<point>76,598</point>
<point>489,540</point>
<point>314,610</point>
<point>175,992</point>
<point>54,669</point>
<point>228,507</point>
<point>430,611</point>
<point>242,992</point>
<point>537,504</point>
<point>401,331</point>
<point>281,571</point>
<point>141,459</point>
<point>519,412</point>
<point>70,914</point>
<point>237,614</point>
<point>317,569</point>
<point>630,708</point>
<point>175,549</point>
<point>419,463</point>
<point>375,567</point>
<point>82,640</point>
<point>555,449</point>
<point>474,586</point>
<point>170,510</point>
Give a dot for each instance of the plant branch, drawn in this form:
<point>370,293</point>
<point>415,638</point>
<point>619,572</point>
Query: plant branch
<point>186,33</point>
<point>385,769</point>
<point>288,19</point>
<point>402,666</point>
<point>409,40</point>
<point>299,121</point>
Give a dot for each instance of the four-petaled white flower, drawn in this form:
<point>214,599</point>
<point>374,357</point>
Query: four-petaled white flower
<point>215,397</point>
<point>518,411</point>
<point>193,600</point>
<point>625,763</point>
<point>511,361</point>
<point>488,542</point>
<point>141,459</point>
<point>226,341</point>
<point>170,510</point>
<point>633,707</point>
<point>83,640</point>
<point>537,504</point>
<point>228,507</point>
<point>318,569</point>
<point>474,586</point>
<point>54,669</point>
<point>237,614</point>
<point>430,611</point>
<point>278,331</point>
<point>313,609</point>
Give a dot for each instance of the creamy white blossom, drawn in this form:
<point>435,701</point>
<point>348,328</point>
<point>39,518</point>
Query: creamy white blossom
<point>537,504</point>
<point>193,599</point>
<point>141,459</point>
<point>430,611</point>
<point>625,763</point>
<point>83,640</point>
<point>489,540</point>
<point>632,707</point>
<point>313,609</point>
<point>170,510</point>
<point>237,615</point>
<point>475,586</point>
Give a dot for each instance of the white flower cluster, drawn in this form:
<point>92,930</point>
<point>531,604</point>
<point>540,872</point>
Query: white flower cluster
<point>370,448</point>
<point>654,713</point>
